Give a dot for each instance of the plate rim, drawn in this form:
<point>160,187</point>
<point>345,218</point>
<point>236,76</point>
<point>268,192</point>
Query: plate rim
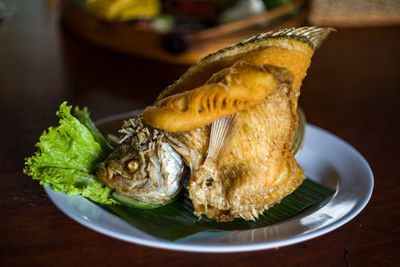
<point>228,248</point>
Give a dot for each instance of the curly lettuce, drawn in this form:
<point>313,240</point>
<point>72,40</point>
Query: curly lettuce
<point>68,155</point>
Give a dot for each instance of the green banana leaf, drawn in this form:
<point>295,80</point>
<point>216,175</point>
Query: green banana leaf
<point>176,220</point>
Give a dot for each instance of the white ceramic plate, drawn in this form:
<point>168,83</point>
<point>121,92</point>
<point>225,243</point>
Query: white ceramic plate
<point>326,159</point>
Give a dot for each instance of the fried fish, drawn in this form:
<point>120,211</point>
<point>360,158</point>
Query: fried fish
<point>231,118</point>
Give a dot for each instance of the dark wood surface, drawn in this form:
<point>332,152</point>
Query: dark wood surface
<point>352,90</point>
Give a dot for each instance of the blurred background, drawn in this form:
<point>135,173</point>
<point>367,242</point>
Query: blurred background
<point>184,31</point>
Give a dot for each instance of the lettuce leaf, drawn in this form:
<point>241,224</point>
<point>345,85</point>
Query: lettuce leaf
<point>84,117</point>
<point>68,155</point>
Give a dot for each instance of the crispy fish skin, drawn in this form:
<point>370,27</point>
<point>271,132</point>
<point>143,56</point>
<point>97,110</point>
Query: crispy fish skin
<point>257,168</point>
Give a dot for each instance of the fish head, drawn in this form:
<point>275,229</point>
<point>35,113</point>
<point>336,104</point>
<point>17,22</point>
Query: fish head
<point>143,166</point>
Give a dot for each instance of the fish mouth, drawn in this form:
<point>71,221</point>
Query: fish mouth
<point>143,166</point>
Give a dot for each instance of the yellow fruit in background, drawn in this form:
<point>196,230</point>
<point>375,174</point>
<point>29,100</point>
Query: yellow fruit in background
<point>123,10</point>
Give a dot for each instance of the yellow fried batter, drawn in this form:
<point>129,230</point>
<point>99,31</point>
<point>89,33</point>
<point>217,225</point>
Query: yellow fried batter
<point>230,90</point>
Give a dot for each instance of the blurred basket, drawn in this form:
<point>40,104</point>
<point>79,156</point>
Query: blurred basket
<point>194,45</point>
<point>354,13</point>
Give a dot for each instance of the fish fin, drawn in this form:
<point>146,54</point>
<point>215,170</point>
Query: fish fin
<point>221,133</point>
<point>312,36</point>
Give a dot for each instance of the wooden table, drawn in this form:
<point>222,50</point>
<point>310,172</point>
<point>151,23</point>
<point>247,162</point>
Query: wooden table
<point>351,90</point>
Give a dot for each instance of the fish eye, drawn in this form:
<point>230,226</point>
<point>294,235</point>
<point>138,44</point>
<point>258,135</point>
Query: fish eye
<point>133,165</point>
